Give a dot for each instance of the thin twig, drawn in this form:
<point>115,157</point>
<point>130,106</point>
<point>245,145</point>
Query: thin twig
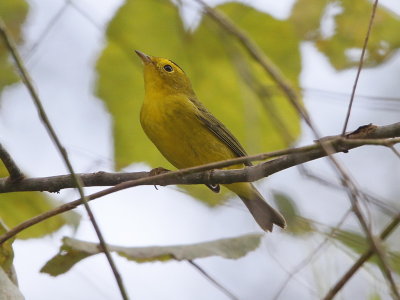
<point>375,243</point>
<point>361,260</point>
<point>387,209</point>
<point>12,168</point>
<point>43,116</point>
<point>49,26</point>
<point>300,266</point>
<point>211,279</point>
<point>395,151</point>
<point>360,65</point>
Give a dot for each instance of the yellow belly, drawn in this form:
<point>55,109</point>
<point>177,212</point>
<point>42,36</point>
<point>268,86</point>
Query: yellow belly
<point>179,134</point>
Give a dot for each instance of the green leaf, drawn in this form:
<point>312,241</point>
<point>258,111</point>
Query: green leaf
<point>210,57</point>
<point>13,13</point>
<point>18,207</point>
<point>360,245</point>
<point>351,25</point>
<point>351,239</point>
<point>394,259</point>
<point>8,290</point>
<point>296,224</point>
<point>72,251</point>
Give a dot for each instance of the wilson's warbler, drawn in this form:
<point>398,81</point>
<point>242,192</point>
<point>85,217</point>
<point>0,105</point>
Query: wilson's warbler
<point>188,135</point>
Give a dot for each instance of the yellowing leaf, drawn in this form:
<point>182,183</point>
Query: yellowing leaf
<point>18,207</point>
<point>6,251</point>
<point>7,257</point>
<point>209,57</point>
<point>72,251</point>
<point>351,23</point>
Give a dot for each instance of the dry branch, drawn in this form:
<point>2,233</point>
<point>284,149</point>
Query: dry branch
<point>365,135</point>
<point>388,135</point>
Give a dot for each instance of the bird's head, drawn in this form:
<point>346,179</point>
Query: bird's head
<point>162,74</point>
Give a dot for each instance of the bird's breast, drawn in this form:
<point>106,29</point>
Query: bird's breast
<point>172,124</point>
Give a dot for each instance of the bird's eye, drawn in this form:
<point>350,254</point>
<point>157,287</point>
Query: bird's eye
<point>168,68</point>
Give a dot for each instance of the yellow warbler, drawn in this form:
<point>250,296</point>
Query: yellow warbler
<point>188,135</point>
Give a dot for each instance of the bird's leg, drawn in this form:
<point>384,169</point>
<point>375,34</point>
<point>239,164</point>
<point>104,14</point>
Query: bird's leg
<point>214,187</point>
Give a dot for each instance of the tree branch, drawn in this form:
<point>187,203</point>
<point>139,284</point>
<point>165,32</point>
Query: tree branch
<point>365,135</point>
<point>360,66</point>
<point>362,259</point>
<point>12,168</point>
<point>198,175</point>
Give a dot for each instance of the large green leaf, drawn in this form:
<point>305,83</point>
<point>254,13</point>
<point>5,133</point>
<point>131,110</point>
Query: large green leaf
<point>72,251</point>
<point>210,57</point>
<point>351,23</point>
<point>155,28</point>
<point>18,207</point>
<point>13,13</point>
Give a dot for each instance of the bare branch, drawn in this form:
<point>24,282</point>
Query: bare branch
<point>12,168</point>
<point>197,175</point>
<point>46,122</point>
<point>360,65</point>
<point>216,283</point>
<point>361,260</point>
<point>287,158</point>
<point>375,243</point>
<point>49,26</point>
<point>312,256</point>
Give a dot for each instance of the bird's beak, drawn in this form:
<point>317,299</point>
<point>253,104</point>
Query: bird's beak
<point>144,57</point>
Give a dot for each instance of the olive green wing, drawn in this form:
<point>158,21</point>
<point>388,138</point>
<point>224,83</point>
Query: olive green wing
<point>220,131</point>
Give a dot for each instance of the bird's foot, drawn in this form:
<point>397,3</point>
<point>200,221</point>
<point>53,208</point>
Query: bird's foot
<point>158,171</point>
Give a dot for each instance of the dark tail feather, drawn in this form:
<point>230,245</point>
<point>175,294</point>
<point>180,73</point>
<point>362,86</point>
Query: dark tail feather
<point>265,215</point>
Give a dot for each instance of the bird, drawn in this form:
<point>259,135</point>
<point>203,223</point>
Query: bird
<point>188,135</point>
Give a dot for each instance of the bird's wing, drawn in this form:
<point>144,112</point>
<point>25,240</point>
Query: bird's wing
<point>220,131</point>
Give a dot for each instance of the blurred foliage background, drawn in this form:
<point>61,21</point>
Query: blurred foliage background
<point>226,79</point>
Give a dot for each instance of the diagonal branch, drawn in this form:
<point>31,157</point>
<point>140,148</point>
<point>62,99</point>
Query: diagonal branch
<point>360,65</point>
<point>361,260</point>
<point>375,242</point>
<point>46,122</point>
<point>212,280</point>
<point>12,168</point>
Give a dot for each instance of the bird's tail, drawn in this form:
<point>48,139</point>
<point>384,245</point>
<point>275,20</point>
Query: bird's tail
<point>264,214</point>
